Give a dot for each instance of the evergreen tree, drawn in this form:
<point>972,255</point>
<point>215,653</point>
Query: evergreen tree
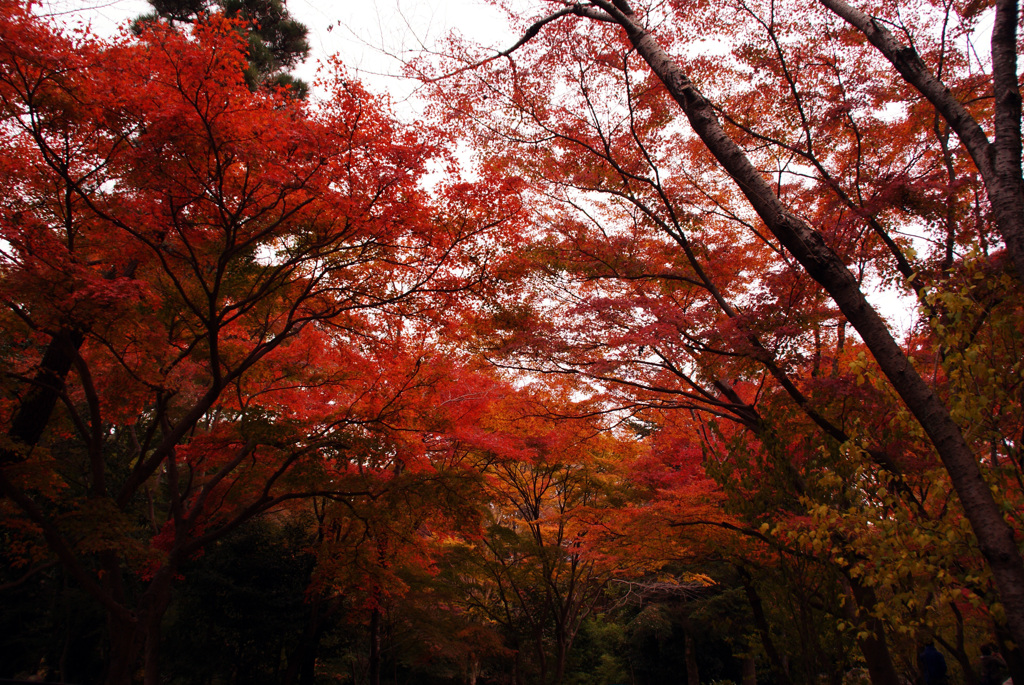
<point>277,42</point>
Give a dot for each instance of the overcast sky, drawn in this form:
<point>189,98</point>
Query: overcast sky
<point>363,32</point>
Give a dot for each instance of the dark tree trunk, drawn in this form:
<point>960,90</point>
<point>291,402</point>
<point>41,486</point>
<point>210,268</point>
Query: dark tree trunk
<point>561,654</point>
<point>302,660</point>
<point>763,629</point>
<point>126,645</point>
<point>1012,655</point>
<point>37,405</point>
<point>958,650</point>
<point>692,673</point>
<point>374,678</point>
<point>749,670</point>
<point>152,646</point>
<point>873,644</point>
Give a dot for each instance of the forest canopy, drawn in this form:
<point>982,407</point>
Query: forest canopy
<point>578,378</point>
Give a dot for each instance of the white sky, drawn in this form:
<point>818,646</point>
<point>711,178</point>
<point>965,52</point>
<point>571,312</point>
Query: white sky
<point>367,34</point>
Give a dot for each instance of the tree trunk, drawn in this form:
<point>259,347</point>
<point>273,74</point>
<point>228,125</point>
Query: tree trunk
<point>860,601</point>
<point>763,629</point>
<point>37,405</point>
<point>958,650</point>
<point>126,645</point>
<point>964,661</point>
<point>542,656</point>
<point>749,670</point>
<point>692,674</point>
<point>135,642</point>
<point>302,660</point>
<point>561,653</point>
<point>375,647</point>
<point>995,537</point>
<point>1012,654</point>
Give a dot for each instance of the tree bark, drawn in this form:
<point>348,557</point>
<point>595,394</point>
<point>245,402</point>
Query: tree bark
<point>763,629</point>
<point>301,667</point>
<point>748,670</point>
<point>561,654</point>
<point>1012,654</point>
<point>958,649</point>
<point>1007,192</point>
<point>126,645</point>
<point>692,672</point>
<point>870,634</point>
<point>154,605</point>
<point>37,405</point>
<point>374,678</point>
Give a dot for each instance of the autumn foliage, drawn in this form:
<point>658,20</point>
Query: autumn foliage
<point>617,391</point>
